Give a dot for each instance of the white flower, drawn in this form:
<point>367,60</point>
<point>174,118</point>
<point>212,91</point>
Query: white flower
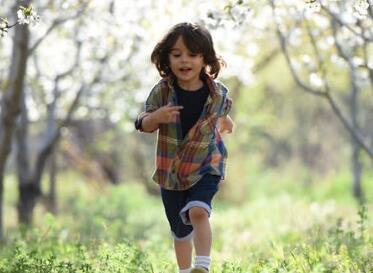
<point>3,32</point>
<point>3,23</point>
<point>239,14</point>
<point>370,63</point>
<point>3,27</point>
<point>22,19</point>
<point>34,18</point>
<point>356,61</point>
<point>27,16</point>
<point>315,80</point>
<point>313,6</point>
<point>361,8</point>
<point>295,37</point>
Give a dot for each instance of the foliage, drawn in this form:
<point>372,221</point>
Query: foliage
<point>37,255</point>
<point>122,229</point>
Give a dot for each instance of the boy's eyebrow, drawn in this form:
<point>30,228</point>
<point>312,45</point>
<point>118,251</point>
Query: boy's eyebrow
<point>179,50</point>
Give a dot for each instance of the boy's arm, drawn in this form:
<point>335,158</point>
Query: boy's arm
<point>225,124</point>
<point>149,122</point>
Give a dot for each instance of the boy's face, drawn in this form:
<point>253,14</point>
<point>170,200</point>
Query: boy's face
<point>185,65</point>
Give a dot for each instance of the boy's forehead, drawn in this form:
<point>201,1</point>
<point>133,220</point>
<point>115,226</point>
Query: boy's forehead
<point>180,45</point>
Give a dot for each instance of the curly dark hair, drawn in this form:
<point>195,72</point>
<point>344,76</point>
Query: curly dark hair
<point>197,39</point>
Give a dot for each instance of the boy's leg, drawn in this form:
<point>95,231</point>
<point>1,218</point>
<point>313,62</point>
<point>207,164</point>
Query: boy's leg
<point>202,231</point>
<point>196,213</point>
<point>183,251</point>
<point>173,202</point>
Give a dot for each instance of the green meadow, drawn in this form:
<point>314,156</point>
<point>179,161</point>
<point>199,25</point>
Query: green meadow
<point>282,226</point>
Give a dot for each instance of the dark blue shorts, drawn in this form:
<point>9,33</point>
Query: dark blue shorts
<point>178,203</point>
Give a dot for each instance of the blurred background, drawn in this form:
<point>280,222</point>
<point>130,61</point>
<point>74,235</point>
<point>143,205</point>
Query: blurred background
<point>74,173</point>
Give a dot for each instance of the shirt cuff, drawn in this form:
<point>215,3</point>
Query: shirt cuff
<point>138,121</point>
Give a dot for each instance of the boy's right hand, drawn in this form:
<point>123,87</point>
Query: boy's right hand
<point>167,113</point>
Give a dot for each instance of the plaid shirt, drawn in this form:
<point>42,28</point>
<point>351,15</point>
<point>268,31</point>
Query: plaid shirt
<point>180,163</point>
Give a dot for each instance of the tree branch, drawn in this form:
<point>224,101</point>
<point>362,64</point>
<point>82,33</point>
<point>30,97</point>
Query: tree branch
<point>46,150</point>
<point>285,51</point>
<point>339,20</point>
<point>327,95</point>
<point>56,23</point>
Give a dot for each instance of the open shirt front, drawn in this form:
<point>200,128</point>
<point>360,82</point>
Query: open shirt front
<point>181,162</point>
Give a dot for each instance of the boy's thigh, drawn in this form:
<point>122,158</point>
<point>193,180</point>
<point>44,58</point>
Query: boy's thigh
<point>204,190</point>
<point>178,203</point>
<point>201,195</point>
<point>173,202</point>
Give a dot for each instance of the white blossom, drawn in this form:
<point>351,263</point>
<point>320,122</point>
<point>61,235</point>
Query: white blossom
<point>240,14</point>
<point>313,6</point>
<point>3,32</point>
<point>3,27</point>
<point>356,61</point>
<point>370,63</point>
<point>295,37</point>
<point>306,59</point>
<point>22,19</point>
<point>348,17</point>
<point>361,8</point>
<point>27,16</point>
<point>3,23</point>
<point>315,80</point>
<point>338,61</point>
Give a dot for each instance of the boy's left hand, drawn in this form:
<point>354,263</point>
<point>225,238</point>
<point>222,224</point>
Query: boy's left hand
<point>225,124</point>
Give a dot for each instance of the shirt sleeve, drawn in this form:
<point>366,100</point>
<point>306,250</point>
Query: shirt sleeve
<point>226,101</point>
<point>152,103</point>
<point>154,100</point>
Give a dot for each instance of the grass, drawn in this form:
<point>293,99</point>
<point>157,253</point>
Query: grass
<point>122,229</point>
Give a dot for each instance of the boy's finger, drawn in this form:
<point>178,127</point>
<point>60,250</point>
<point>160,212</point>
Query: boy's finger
<point>175,112</point>
<point>225,130</point>
<point>177,107</point>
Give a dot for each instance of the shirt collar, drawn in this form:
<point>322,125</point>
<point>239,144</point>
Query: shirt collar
<point>213,89</point>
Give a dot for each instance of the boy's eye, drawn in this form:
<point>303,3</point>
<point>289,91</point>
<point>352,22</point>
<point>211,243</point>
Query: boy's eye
<point>176,55</point>
<point>193,55</point>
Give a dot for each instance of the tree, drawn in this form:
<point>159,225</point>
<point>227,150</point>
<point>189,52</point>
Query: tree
<point>353,47</point>
<point>11,100</point>
<point>102,64</point>
<point>324,43</point>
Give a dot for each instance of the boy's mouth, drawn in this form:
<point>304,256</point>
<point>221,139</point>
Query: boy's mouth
<point>185,69</point>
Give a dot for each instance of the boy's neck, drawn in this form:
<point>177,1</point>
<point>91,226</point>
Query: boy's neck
<point>194,86</point>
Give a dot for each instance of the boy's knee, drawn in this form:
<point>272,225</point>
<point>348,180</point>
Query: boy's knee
<point>197,213</point>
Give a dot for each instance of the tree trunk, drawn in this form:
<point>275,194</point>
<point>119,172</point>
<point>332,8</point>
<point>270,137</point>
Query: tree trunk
<point>27,200</point>
<point>28,194</point>
<point>355,159</point>
<point>52,194</point>
<point>1,209</point>
<point>356,171</point>
<point>12,96</point>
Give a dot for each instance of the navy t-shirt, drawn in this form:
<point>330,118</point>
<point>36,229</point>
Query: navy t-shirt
<point>193,102</point>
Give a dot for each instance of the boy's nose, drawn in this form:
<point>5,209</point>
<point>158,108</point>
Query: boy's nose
<point>184,58</point>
